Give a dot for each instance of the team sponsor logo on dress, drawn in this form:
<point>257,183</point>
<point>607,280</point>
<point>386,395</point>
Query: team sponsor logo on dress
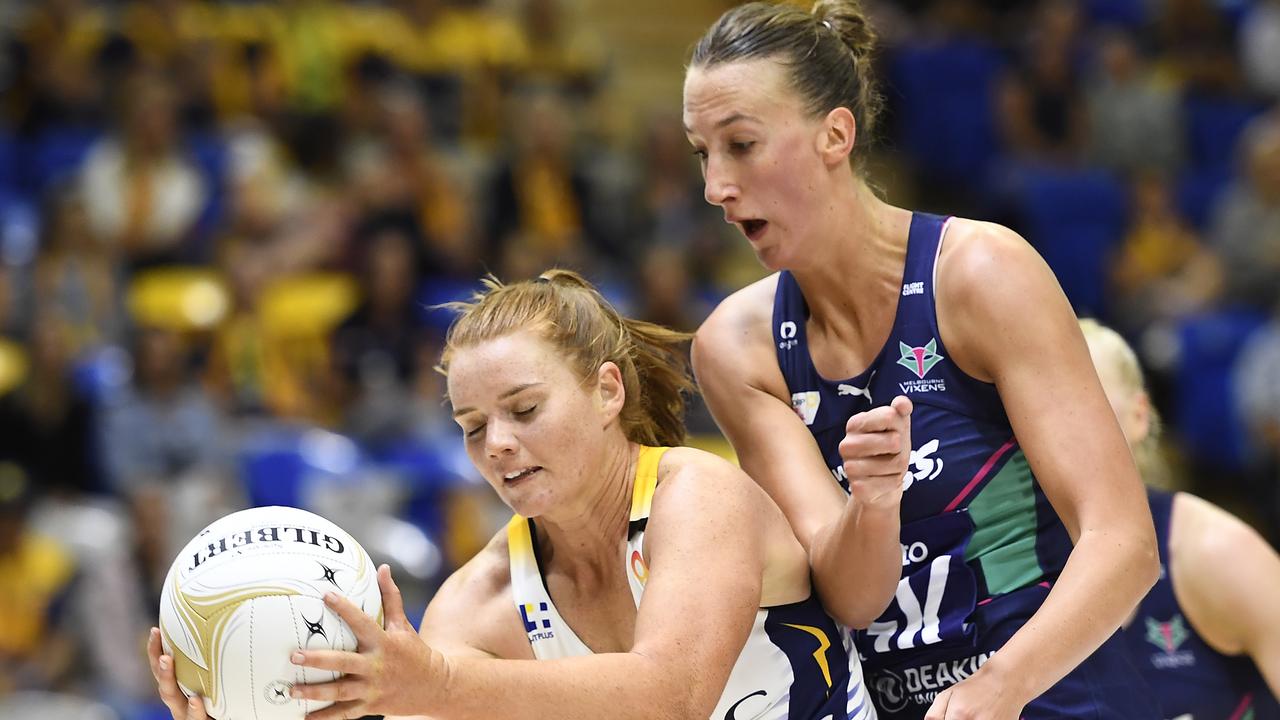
<point>923,465</point>
<point>895,689</point>
<point>787,331</point>
<point>913,288</point>
<point>920,360</point>
<point>638,568</point>
<point>1169,637</point>
<point>537,621</point>
<point>806,405</point>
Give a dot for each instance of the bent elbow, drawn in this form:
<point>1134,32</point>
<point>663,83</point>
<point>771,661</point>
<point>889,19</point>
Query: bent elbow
<point>1147,559</point>
<point>858,614</point>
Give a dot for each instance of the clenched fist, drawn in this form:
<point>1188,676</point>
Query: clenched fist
<point>876,451</point>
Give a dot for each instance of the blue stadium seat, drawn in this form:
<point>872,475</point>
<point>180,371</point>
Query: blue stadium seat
<point>944,94</point>
<point>436,291</point>
<point>8,165</point>
<point>1213,129</point>
<point>1197,192</point>
<point>56,156</point>
<point>1075,218</point>
<point>210,155</point>
<point>1132,14</point>
<point>1205,416</point>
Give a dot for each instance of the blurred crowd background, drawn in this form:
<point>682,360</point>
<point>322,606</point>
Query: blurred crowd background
<point>224,226</point>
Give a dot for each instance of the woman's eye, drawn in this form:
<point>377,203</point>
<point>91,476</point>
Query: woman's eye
<point>526,412</point>
<point>740,147</point>
<point>700,154</point>
<point>475,432</point>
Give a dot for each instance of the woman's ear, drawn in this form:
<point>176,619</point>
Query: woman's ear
<point>613,392</point>
<point>839,133</point>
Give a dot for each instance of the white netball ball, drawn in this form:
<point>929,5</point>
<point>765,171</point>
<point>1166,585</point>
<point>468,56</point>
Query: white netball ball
<point>246,593</point>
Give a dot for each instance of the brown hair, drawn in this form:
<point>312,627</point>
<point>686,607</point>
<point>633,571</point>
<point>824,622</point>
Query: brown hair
<point>570,312</point>
<point>826,51</point>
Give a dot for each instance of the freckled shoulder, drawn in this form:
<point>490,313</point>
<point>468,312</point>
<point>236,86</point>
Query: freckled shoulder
<point>473,612</point>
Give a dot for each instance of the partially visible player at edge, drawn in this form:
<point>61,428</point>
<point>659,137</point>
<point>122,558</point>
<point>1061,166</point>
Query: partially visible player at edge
<point>648,581</point>
<point>1207,636</point>
<point>1021,526</point>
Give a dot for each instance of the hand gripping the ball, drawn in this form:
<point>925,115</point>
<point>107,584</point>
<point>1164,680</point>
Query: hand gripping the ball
<point>180,706</point>
<point>876,452</point>
<point>390,675</point>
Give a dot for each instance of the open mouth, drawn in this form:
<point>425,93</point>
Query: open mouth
<point>518,476</point>
<point>753,229</point>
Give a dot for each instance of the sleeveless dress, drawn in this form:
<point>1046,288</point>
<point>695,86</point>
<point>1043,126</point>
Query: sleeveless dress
<point>1188,678</point>
<point>981,545</point>
<point>796,664</point>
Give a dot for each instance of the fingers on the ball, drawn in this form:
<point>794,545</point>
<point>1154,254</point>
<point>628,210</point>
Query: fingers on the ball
<point>392,601</point>
<point>335,660</point>
<point>195,709</point>
<point>340,690</point>
<point>338,711</point>
<point>361,624</point>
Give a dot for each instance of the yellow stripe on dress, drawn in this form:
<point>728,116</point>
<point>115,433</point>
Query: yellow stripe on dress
<point>519,544</point>
<point>646,481</point>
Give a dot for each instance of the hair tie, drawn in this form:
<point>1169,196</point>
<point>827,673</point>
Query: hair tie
<point>827,25</point>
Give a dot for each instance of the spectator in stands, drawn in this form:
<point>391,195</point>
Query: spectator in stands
<point>46,424</point>
<point>141,193</point>
<point>76,277</point>
<point>1161,271</point>
<point>162,445</point>
<point>1260,48</point>
<point>377,351</point>
<point>36,578</point>
<point>1040,102</point>
<point>1245,230</point>
<point>1134,119</point>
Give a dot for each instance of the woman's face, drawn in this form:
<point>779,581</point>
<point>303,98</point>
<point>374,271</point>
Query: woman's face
<point>759,150</point>
<point>532,427</point>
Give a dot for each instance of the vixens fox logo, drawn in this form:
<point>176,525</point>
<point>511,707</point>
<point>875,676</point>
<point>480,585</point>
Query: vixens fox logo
<point>919,360</point>
<point>1168,636</point>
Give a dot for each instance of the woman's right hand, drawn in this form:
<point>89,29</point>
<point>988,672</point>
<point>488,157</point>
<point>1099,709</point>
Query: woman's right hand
<point>876,451</point>
<point>179,705</point>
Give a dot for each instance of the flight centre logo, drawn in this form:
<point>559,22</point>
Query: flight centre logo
<point>920,360</point>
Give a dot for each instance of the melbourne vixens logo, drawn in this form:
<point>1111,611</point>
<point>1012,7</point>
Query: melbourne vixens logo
<point>920,360</point>
<point>1169,636</point>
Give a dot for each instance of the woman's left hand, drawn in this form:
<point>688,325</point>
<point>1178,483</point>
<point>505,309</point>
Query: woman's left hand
<point>391,674</point>
<point>981,696</point>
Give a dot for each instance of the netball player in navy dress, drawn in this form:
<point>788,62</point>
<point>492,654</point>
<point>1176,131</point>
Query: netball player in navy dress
<point>1207,636</point>
<point>994,534</point>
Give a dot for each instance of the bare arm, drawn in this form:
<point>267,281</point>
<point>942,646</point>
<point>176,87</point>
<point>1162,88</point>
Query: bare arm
<point>733,356</point>
<point>1226,578</point>
<point>699,605</point>
<point>1021,334</point>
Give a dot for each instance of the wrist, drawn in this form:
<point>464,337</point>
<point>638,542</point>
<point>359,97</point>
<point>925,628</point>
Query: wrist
<point>1003,673</point>
<point>441,676</point>
<point>888,500</point>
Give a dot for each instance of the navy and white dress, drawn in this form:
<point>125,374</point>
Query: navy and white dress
<point>981,545</point>
<point>1189,679</point>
